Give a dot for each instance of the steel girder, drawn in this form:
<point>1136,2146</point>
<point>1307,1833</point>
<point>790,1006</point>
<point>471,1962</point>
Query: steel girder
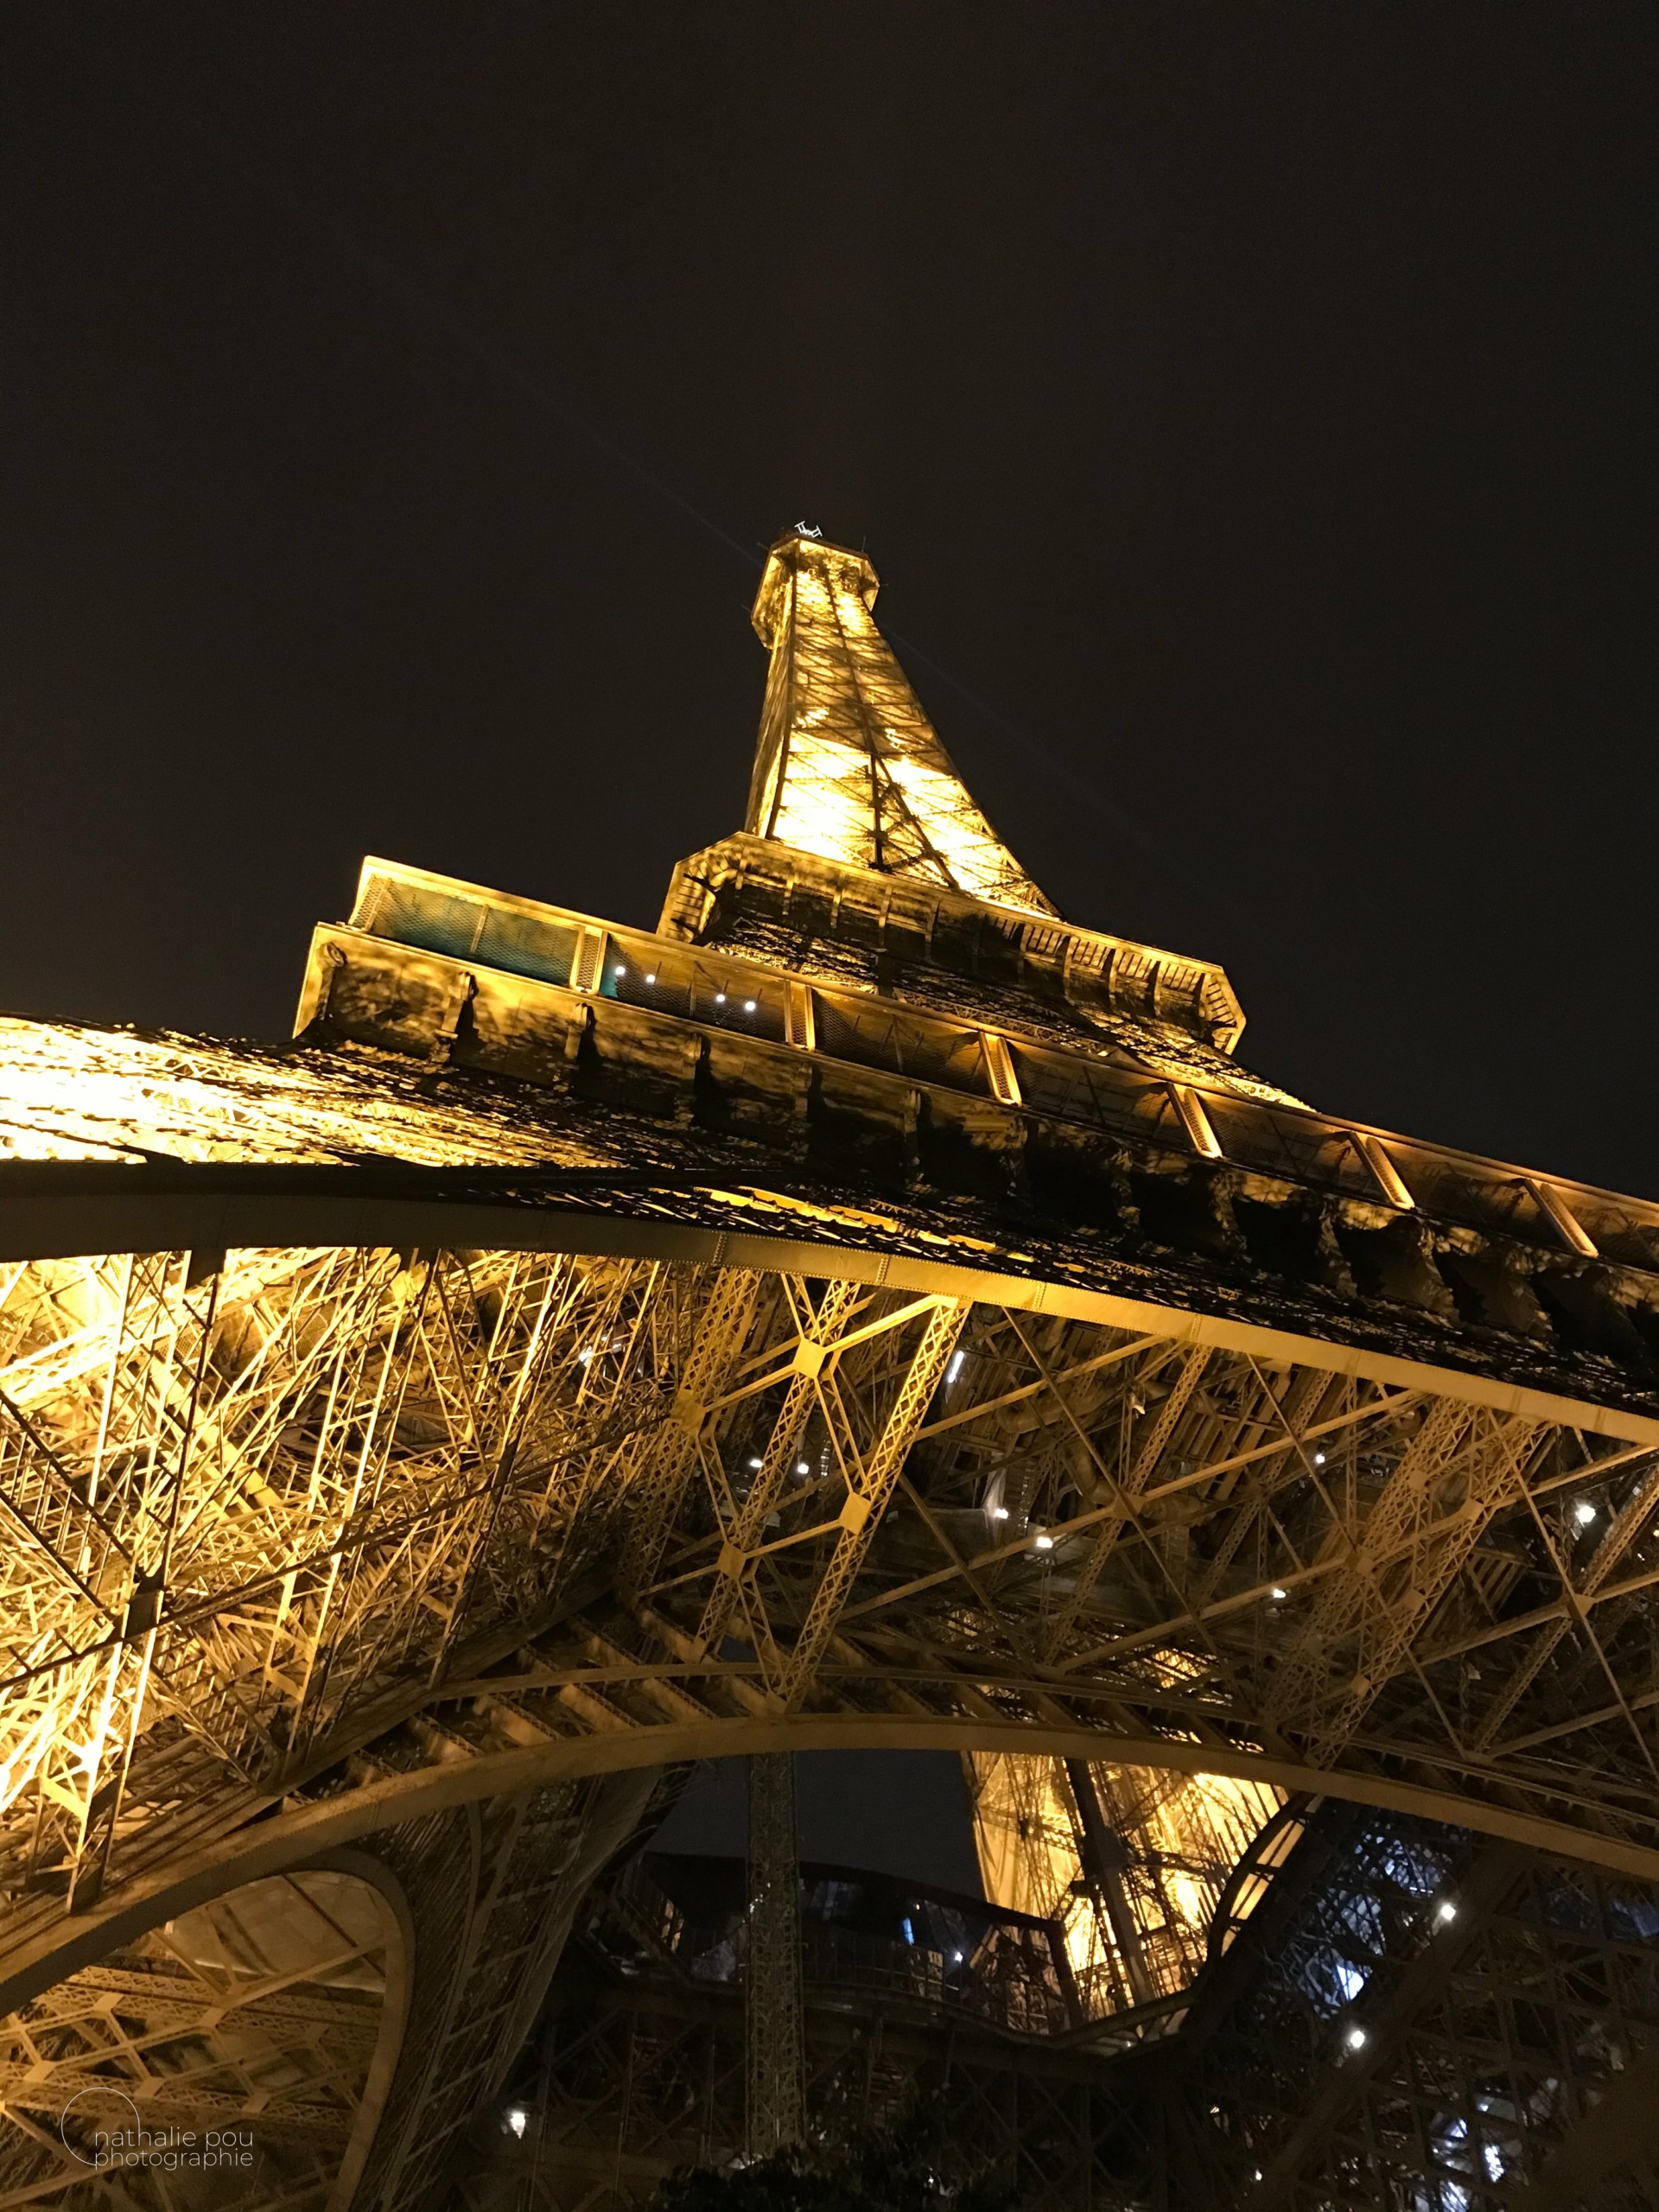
<point>310,1544</point>
<point>312,1508</point>
<point>776,2109</point>
<point>1423,2016</point>
<point>888,1317</point>
<point>637,2067</point>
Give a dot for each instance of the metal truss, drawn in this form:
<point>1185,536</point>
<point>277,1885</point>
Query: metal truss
<point>776,2109</point>
<point>1135,1883</point>
<point>849,766</point>
<point>266,2004</point>
<point>221,1481</point>
<point>1418,2017</point>
<point>268,1515</point>
<point>1425,2018</point>
<point>293,1530</point>
<point>641,2090</point>
<point>638,2067</point>
<point>958,1351</point>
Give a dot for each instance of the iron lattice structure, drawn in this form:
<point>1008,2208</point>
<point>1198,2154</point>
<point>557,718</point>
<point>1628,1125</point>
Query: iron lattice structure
<point>637,2066</point>
<point>777,2099</point>
<point>866,1309</point>
<point>1424,2016</point>
<point>1411,2016</point>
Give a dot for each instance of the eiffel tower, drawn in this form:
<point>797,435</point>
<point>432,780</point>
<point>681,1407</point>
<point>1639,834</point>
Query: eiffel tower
<point>868,1310</point>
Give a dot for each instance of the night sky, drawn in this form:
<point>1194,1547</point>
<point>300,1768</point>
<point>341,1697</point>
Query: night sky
<point>1249,409</point>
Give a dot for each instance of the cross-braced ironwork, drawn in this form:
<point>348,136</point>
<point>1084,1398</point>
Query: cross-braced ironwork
<point>913,1998</point>
<point>1403,2014</point>
<point>866,1310</point>
<point>1421,2016</point>
<point>771,1985</point>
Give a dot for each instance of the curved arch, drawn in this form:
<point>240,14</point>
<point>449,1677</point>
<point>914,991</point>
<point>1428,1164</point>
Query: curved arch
<point>290,1839</point>
<point>74,1210</point>
<point>329,1949</point>
<point>394,2012</point>
<point>1269,1849</point>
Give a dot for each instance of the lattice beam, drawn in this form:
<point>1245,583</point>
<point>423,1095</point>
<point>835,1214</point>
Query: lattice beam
<point>774,2024</point>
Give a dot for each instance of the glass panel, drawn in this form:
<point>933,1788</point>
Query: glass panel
<point>693,986</point>
<point>875,1035</point>
<point>464,928</point>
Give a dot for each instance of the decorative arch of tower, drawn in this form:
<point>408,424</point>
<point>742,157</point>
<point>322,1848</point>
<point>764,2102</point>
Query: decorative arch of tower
<point>866,1311</point>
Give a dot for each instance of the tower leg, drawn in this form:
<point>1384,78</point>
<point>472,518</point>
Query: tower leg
<point>776,2068</point>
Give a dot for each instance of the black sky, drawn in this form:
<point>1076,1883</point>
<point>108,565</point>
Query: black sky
<point>1249,409</point>
<point>902,1813</point>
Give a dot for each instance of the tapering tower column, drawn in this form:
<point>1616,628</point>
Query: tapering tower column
<point>777,2064</point>
<point>849,766</point>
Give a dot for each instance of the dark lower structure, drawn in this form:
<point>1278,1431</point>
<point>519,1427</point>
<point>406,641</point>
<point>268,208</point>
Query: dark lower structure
<point>1414,2020</point>
<point>637,2063</point>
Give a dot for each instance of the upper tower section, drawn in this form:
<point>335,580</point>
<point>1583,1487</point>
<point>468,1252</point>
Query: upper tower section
<point>867,913</point>
<point>863,862</point>
<point>849,766</point>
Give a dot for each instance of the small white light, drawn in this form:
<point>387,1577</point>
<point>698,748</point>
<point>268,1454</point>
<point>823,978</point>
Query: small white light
<point>1044,1543</point>
<point>801,1467</point>
<point>619,971</point>
<point>956,1958</point>
<point>1356,2039</point>
<point>515,2119</point>
<point>954,1367</point>
<point>748,1006</point>
<point>1318,1458</point>
<point>652,976</point>
<point>754,1463</point>
<point>1584,1513</point>
<point>1279,1591</point>
<point>999,1513</point>
<point>585,1354</point>
<point>1444,1911</point>
<point>720,998</point>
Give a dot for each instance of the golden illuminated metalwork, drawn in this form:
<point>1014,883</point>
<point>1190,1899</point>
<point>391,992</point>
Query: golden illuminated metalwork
<point>1137,1929</point>
<point>866,1310</point>
<point>241,2034</point>
<point>848,766</point>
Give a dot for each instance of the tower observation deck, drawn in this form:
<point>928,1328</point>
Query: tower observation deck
<point>868,1310</point>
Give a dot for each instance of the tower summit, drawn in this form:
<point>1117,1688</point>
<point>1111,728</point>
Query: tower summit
<point>848,766</point>
<point>864,860</point>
